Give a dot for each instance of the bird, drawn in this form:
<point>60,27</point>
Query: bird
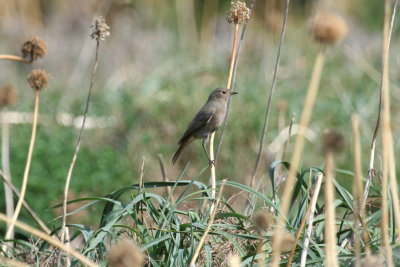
<point>206,121</point>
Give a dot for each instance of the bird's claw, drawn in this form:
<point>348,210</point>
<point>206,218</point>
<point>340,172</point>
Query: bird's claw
<point>211,163</point>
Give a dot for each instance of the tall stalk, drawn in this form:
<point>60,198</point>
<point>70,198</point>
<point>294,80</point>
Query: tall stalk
<point>271,93</point>
<point>99,31</point>
<point>5,162</point>
<point>27,168</point>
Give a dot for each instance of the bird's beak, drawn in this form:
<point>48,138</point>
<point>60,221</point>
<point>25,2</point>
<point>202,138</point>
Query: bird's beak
<point>234,93</point>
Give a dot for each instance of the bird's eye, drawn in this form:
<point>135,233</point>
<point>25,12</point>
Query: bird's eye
<point>224,92</point>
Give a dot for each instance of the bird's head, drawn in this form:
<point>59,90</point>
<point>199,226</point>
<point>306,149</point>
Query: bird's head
<point>221,93</point>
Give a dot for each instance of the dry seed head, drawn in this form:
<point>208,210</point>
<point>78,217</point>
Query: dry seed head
<point>8,96</point>
<point>372,261</point>
<point>125,253</point>
<point>34,48</point>
<point>334,141</point>
<point>238,13</point>
<point>99,29</point>
<point>39,79</point>
<point>263,220</point>
<point>273,21</point>
<point>328,28</point>
<point>287,241</point>
<point>282,105</point>
<point>234,261</point>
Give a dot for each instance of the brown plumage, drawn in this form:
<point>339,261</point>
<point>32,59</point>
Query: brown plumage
<point>206,121</point>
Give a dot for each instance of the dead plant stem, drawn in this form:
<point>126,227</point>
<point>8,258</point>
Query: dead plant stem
<point>232,83</point>
<point>385,46</point>
<point>298,148</point>
<point>278,58</point>
<point>210,222</point>
<point>50,240</point>
<point>15,58</point>
<point>26,205</point>
<point>27,168</point>
<point>78,145</point>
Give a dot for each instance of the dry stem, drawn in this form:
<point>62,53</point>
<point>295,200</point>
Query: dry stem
<point>78,145</point>
<point>210,222</point>
<point>232,83</point>
<point>311,206</point>
<point>14,58</point>
<point>10,262</point>
<point>278,57</point>
<point>27,168</point>
<point>26,206</point>
<point>5,161</point>
<point>385,50</point>
<point>304,121</point>
<point>50,240</point>
<point>358,193</point>
<point>213,179</point>
<point>212,158</point>
<point>330,229</point>
<point>164,175</point>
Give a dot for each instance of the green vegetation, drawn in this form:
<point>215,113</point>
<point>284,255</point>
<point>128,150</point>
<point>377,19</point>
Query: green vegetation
<point>155,71</point>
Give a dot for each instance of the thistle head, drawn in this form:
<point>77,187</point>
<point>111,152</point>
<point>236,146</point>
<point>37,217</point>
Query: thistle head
<point>238,13</point>
<point>33,48</point>
<point>38,79</point>
<point>125,253</point>
<point>99,30</point>
<point>8,96</point>
<point>328,28</point>
<point>263,220</point>
<point>334,141</point>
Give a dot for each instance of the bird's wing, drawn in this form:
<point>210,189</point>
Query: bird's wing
<point>200,120</point>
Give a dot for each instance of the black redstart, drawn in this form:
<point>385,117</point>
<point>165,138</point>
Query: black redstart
<point>206,121</point>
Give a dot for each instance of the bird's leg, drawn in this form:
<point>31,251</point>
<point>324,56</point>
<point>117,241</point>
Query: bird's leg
<point>211,162</point>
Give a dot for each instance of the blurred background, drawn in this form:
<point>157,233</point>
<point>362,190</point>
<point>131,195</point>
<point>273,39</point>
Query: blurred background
<point>156,70</point>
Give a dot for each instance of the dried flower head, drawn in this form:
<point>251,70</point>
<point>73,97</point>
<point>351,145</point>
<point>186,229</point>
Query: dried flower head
<point>328,28</point>
<point>38,79</point>
<point>372,261</point>
<point>234,261</point>
<point>8,96</point>
<point>263,220</point>
<point>334,141</point>
<point>125,253</point>
<point>34,48</point>
<point>238,13</point>
<point>282,105</point>
<point>99,29</point>
<point>273,21</point>
<point>287,241</point>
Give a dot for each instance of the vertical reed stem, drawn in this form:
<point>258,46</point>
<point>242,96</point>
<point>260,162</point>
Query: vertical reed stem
<point>5,162</point>
<point>330,229</point>
<point>298,148</point>
<point>27,168</point>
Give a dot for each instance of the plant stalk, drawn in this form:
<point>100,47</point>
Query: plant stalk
<point>210,222</point>
<point>78,145</point>
<point>27,168</point>
<point>278,58</point>
<point>5,162</point>
<point>313,204</point>
<point>298,148</point>
<point>15,58</point>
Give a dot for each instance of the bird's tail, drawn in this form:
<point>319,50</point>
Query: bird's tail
<point>181,147</point>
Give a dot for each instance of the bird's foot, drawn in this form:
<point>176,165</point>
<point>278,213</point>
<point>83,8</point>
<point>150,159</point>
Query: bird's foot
<point>211,163</point>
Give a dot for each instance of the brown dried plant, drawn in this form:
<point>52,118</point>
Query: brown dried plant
<point>37,79</point>
<point>125,253</point>
<point>31,50</point>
